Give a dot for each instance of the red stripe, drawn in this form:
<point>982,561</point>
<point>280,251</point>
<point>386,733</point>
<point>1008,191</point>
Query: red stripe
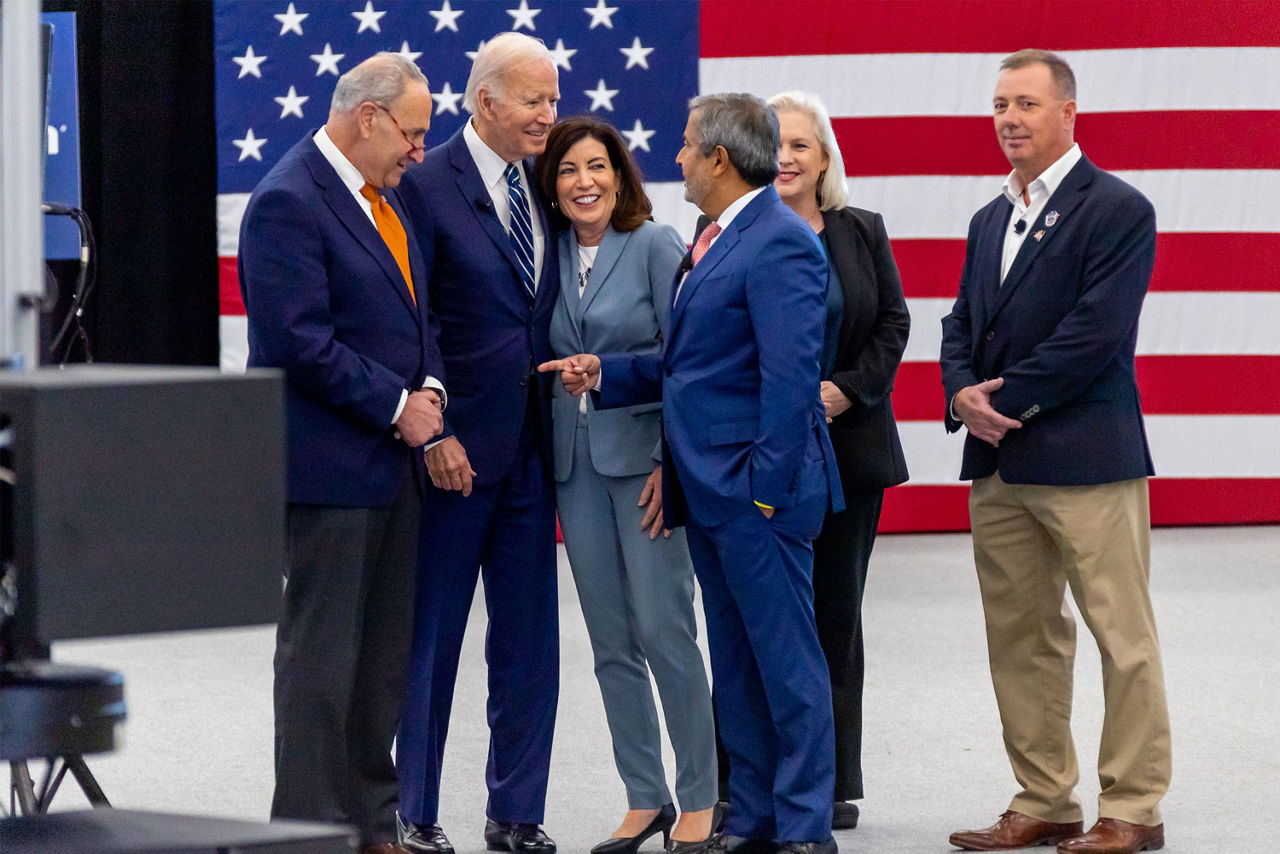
<point>925,508</point>
<point>758,28</point>
<point>929,268</point>
<point>1200,261</point>
<point>1185,261</point>
<point>966,145</point>
<point>1174,501</point>
<point>1209,385</point>
<point>1169,385</point>
<point>229,299</point>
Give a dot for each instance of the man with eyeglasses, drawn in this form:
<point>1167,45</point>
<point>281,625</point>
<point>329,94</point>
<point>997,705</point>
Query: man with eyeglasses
<point>490,511</point>
<point>334,289</point>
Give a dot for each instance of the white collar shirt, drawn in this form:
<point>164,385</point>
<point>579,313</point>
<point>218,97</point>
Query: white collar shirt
<point>492,170</point>
<point>347,172</point>
<point>354,181</point>
<point>1028,212</point>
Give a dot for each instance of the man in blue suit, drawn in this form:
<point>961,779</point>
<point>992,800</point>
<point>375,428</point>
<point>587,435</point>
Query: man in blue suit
<point>748,469</point>
<point>491,508</point>
<point>1038,366</point>
<point>335,297</point>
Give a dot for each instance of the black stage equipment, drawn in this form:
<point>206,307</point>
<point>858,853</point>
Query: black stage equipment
<point>137,499</point>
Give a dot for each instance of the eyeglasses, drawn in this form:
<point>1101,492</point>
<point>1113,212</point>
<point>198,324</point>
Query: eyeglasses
<point>414,148</point>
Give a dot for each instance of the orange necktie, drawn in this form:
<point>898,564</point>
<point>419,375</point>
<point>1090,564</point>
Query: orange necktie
<point>392,232</point>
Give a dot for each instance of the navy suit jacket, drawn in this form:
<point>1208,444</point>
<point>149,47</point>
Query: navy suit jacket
<point>327,302</point>
<point>742,417</point>
<point>625,308</point>
<point>1061,331</point>
<point>490,337</point>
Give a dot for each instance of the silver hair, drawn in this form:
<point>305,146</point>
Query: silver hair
<point>833,190</point>
<point>746,126</point>
<point>380,79</point>
<point>494,60</point>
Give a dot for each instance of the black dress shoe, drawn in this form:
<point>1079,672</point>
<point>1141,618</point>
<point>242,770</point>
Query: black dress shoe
<point>662,823</point>
<point>427,838</point>
<point>827,846</point>
<point>718,815</point>
<point>515,837</point>
<point>721,843</point>
<point>844,815</point>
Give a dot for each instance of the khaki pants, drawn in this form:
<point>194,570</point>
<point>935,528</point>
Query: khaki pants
<point>1029,543</point>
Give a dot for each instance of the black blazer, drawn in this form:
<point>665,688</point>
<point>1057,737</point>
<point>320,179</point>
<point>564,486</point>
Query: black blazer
<point>873,336</point>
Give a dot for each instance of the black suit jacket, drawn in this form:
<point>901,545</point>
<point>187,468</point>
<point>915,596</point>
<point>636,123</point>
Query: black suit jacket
<point>873,336</point>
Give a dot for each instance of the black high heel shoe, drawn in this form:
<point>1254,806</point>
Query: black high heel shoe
<point>662,823</point>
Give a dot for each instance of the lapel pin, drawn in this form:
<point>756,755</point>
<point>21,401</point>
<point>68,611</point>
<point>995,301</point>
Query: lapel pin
<point>1050,219</point>
<point>1039,234</point>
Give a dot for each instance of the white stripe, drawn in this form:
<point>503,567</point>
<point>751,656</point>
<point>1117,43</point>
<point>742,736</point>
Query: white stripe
<point>960,84</point>
<point>940,206</point>
<point>1173,324</point>
<point>1181,446</point>
<point>1186,200</point>
<point>669,207</point>
<point>230,211</point>
<point>233,338</point>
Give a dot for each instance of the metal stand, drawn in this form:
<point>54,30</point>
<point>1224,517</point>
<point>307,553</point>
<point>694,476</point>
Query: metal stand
<point>24,797</point>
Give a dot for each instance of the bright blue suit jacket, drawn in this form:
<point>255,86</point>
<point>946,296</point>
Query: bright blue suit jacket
<point>1061,330</point>
<point>742,417</point>
<point>327,302</point>
<point>489,336</point>
<point>624,309</point>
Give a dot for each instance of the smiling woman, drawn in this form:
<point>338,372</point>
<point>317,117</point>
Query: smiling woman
<point>634,580</point>
<point>584,155</point>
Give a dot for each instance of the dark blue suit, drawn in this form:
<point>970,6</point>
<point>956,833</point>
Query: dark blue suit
<point>327,302</point>
<point>499,410</point>
<point>743,423</point>
<point>1061,330</point>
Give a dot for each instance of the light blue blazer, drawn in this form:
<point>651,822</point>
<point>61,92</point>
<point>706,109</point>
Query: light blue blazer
<point>624,309</point>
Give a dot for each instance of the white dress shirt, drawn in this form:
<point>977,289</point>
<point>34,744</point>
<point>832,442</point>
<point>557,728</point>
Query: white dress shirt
<point>1028,212</point>
<point>492,172</point>
<point>354,182</point>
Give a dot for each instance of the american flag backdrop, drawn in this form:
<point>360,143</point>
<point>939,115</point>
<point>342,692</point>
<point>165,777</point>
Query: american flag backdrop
<point>1179,97</point>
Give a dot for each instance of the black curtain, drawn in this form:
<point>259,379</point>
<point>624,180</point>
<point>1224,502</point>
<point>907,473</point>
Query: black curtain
<point>148,162</point>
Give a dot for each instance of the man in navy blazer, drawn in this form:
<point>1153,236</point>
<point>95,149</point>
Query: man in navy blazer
<point>492,280</point>
<point>330,301</point>
<point>748,469</point>
<point>1038,366</point>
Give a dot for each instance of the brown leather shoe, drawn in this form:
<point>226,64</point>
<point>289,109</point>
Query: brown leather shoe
<point>1113,836</point>
<point>1015,830</point>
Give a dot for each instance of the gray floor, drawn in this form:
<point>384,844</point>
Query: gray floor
<point>198,738</point>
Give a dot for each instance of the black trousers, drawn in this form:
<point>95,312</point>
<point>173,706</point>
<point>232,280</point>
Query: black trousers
<point>840,557</point>
<point>342,648</point>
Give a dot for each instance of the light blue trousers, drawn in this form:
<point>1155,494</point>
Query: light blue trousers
<point>637,601</point>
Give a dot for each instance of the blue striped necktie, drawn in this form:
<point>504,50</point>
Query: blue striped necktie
<point>521,227</point>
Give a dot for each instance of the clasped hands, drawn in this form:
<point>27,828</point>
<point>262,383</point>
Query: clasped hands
<point>421,418</point>
<point>972,405</point>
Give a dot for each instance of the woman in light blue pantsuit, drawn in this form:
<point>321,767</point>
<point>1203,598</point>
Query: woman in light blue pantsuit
<point>617,270</point>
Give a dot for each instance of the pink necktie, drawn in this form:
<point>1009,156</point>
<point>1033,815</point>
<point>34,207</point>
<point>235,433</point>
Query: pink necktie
<point>704,241</point>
